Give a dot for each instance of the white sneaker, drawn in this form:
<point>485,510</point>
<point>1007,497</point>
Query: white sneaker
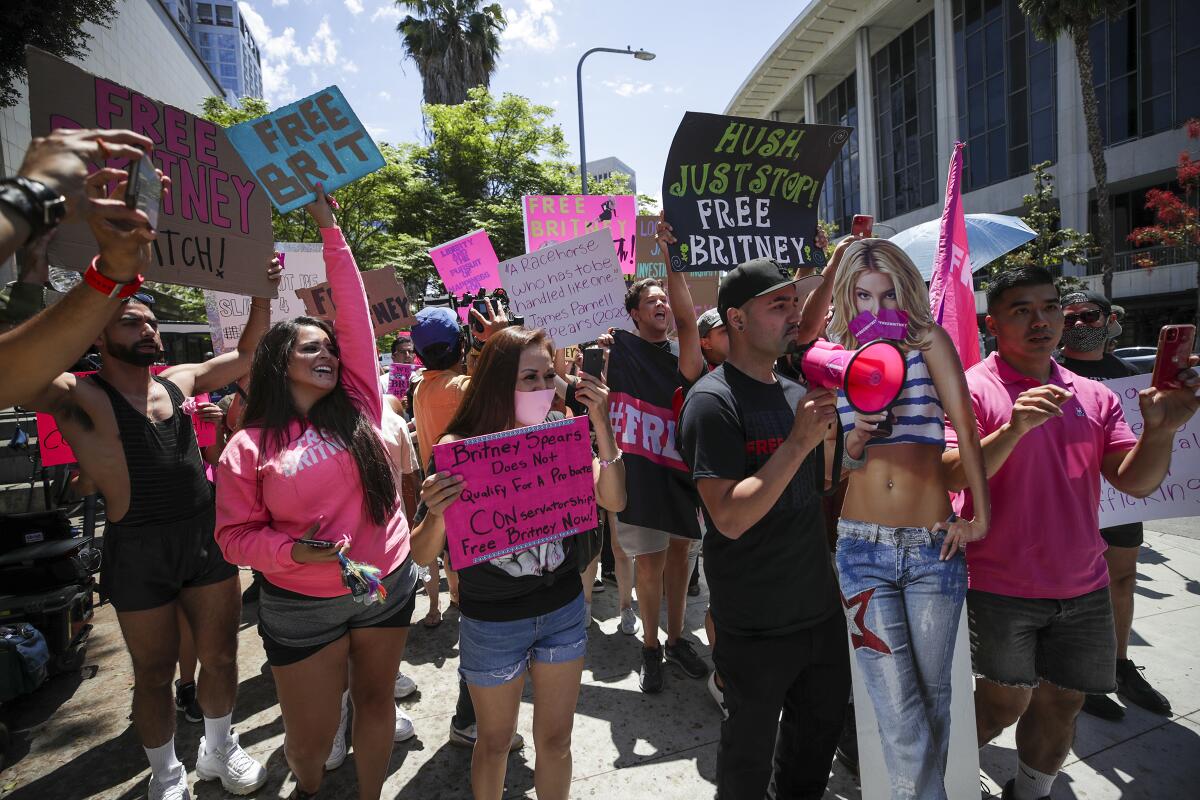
<point>174,791</point>
<point>629,622</point>
<point>717,693</point>
<point>404,726</point>
<point>337,753</point>
<point>239,773</point>
<point>404,686</point>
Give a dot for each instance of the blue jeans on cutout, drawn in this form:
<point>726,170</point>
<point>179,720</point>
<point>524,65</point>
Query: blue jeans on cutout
<point>902,608</point>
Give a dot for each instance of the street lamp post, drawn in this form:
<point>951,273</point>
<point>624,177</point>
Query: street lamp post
<point>640,55</point>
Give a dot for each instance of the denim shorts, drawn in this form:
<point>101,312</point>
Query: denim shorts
<point>494,653</point>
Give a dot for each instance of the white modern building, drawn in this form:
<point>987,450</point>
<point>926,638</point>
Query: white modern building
<point>606,167</point>
<point>227,46</point>
<point>914,76</point>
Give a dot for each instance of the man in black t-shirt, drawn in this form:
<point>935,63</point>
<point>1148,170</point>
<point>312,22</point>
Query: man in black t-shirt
<point>749,436</point>
<point>1087,318</point>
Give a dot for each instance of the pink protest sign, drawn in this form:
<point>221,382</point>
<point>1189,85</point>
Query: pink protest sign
<point>399,377</point>
<point>561,217</point>
<point>521,488</point>
<point>467,264</point>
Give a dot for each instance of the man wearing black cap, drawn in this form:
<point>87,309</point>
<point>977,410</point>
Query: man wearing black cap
<point>749,436</point>
<point>1088,319</point>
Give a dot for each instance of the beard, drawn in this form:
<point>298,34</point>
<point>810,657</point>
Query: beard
<point>131,355</point>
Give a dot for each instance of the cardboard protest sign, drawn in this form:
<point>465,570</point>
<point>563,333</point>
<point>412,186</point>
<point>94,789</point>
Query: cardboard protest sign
<point>574,289</point>
<point>521,488</point>
<point>467,264</point>
<point>737,188</point>
<point>303,268</point>
<point>214,226</point>
<point>561,217</point>
<point>1179,494</point>
<point>315,140</point>
<point>399,378</point>
<point>385,296</point>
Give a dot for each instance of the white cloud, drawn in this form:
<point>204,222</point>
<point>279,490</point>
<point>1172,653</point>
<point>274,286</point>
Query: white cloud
<point>667,89</point>
<point>385,95</point>
<point>280,52</point>
<point>354,6</point>
<point>375,130</point>
<point>350,67</point>
<point>532,26</point>
<point>627,88</point>
<point>278,3</point>
<point>388,11</point>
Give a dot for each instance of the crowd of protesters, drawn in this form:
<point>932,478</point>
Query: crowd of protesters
<point>320,472</point>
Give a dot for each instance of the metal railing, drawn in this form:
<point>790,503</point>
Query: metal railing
<point>1128,260</point>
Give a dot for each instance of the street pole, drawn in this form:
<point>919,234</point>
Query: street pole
<point>641,55</point>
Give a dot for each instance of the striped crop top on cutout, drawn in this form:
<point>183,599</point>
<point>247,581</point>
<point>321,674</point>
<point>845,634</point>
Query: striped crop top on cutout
<point>918,413</point>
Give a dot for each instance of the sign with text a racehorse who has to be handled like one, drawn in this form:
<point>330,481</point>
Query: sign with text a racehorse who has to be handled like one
<point>737,188</point>
<point>521,488</point>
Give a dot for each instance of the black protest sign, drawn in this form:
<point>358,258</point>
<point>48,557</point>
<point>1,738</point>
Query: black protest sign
<point>737,188</point>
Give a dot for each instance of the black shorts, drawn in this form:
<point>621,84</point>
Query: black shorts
<point>1130,535</point>
<point>146,566</point>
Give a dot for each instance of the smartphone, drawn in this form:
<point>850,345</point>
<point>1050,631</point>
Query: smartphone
<point>482,307</point>
<point>1174,347</point>
<point>593,361</point>
<point>320,544</point>
<point>863,224</point>
<point>884,427</point>
<point>144,189</point>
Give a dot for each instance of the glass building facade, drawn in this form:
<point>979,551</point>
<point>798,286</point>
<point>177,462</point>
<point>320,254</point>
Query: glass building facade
<point>840,197</point>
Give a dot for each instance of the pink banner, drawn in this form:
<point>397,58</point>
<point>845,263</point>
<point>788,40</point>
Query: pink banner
<point>521,488</point>
<point>399,377</point>
<point>562,217</point>
<point>951,292</point>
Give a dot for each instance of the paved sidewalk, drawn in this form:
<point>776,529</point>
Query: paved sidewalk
<point>73,738</point>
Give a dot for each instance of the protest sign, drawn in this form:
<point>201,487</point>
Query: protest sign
<point>737,188</point>
<point>386,297</point>
<point>214,226</point>
<point>399,378</point>
<point>315,140</point>
<point>521,488</point>
<point>467,264</point>
<point>652,263</point>
<point>304,268</point>
<point>572,289</point>
<point>1179,494</point>
<point>561,217</point>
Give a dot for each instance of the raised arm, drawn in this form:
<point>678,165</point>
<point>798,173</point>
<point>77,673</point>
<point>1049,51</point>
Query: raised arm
<point>691,357</point>
<point>1138,472</point>
<point>816,305</point>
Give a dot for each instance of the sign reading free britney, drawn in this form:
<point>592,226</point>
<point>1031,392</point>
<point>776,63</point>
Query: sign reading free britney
<point>214,227</point>
<point>521,488</point>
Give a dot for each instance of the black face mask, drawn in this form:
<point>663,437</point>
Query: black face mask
<point>130,355</point>
<point>1084,339</point>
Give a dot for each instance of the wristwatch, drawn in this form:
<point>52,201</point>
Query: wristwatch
<point>40,206</point>
<point>107,286</point>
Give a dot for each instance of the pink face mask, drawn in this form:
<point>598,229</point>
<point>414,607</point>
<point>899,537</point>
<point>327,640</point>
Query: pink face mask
<point>891,323</point>
<point>531,408</point>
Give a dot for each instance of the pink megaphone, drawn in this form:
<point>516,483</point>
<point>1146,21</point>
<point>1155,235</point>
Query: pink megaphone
<point>871,376</point>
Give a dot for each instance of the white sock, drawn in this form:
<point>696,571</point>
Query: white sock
<point>1031,784</point>
<point>216,733</point>
<point>164,764</point>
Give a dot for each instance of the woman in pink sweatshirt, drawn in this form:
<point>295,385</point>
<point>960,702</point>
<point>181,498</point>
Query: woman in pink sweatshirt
<point>309,464</point>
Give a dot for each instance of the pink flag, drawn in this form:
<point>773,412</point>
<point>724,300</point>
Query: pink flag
<point>951,293</point>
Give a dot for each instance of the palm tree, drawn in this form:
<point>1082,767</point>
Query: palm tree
<point>454,44</point>
<point>1073,18</point>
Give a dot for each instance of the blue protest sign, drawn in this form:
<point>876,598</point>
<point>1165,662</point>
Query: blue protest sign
<point>315,140</point>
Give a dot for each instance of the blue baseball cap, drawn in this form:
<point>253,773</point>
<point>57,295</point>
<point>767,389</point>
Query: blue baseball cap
<point>435,325</point>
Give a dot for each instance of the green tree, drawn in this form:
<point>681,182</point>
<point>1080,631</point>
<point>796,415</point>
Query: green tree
<point>455,44</point>
<point>1053,245</point>
<point>1074,18</point>
<point>55,26</point>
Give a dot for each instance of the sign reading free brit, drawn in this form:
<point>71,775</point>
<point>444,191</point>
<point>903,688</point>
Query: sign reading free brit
<point>521,488</point>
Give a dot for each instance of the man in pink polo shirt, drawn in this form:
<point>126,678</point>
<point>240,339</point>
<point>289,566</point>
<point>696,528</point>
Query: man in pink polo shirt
<point>1038,604</point>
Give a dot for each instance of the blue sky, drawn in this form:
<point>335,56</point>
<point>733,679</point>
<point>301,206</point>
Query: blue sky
<point>705,50</point>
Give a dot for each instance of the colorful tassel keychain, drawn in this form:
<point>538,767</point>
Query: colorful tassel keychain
<point>363,581</point>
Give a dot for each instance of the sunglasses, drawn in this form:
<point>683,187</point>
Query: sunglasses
<point>1089,317</point>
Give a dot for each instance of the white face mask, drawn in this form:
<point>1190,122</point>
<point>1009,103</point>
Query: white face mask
<point>531,408</point>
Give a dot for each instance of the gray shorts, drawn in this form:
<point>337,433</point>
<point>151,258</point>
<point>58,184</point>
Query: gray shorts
<point>638,541</point>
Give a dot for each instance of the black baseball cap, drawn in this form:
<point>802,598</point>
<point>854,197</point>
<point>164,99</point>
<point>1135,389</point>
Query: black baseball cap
<point>1083,296</point>
<point>749,280</point>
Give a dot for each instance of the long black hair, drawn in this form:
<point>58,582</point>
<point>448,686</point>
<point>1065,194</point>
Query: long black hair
<point>270,408</point>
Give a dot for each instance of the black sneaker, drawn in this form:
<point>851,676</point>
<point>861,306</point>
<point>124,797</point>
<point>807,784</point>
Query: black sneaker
<point>651,679</point>
<point>683,654</point>
<point>598,586</point>
<point>1104,707</point>
<point>185,701</point>
<point>1134,687</point>
<point>1010,791</point>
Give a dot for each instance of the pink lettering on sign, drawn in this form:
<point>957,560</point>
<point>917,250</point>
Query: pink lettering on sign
<point>521,488</point>
<point>562,217</point>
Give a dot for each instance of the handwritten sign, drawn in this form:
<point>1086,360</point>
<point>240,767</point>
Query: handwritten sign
<point>467,264</point>
<point>562,217</point>
<point>386,299</point>
<point>399,378</point>
<point>521,488</point>
<point>214,226</point>
<point>737,188</point>
<point>572,289</point>
<point>315,140</point>
<point>304,268</point>
<point>1179,494</point>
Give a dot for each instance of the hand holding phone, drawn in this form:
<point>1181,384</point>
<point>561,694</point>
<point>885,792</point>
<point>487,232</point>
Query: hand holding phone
<point>1174,351</point>
<point>144,189</point>
<point>593,362</point>
<point>862,225</point>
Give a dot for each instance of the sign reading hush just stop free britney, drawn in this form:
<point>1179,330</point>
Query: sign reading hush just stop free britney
<point>521,488</point>
<point>315,140</point>
<point>214,226</point>
<point>560,217</point>
<point>737,188</point>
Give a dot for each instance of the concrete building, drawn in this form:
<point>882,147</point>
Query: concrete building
<point>605,167</point>
<point>914,76</point>
<point>226,45</point>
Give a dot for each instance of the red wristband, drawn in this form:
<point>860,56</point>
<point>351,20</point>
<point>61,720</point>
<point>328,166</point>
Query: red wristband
<point>107,286</point>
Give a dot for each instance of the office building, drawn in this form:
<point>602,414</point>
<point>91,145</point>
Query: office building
<point>606,167</point>
<point>227,46</point>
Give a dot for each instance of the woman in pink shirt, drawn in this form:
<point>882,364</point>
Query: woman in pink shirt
<point>309,464</point>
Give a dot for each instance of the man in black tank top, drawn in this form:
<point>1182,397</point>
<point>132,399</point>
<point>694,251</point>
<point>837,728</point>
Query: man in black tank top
<point>134,442</point>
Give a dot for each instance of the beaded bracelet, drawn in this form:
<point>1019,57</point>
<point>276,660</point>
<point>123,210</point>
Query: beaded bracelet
<point>604,464</point>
